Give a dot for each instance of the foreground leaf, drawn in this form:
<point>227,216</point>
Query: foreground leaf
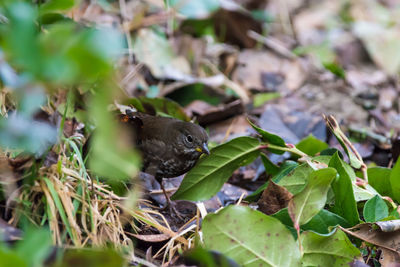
<point>345,203</point>
<point>320,223</point>
<point>311,200</point>
<point>209,175</point>
<point>375,209</point>
<point>333,249</point>
<point>379,179</point>
<point>250,238</point>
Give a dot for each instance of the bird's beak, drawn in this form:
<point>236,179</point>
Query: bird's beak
<point>203,149</point>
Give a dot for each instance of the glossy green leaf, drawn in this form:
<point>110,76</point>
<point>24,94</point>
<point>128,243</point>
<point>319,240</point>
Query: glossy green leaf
<point>320,223</point>
<point>333,249</point>
<point>305,205</point>
<point>395,181</point>
<point>250,237</point>
<point>269,138</point>
<point>345,203</point>
<point>269,166</point>
<point>296,180</point>
<point>379,179</point>
<point>375,209</point>
<point>311,145</point>
<point>211,172</point>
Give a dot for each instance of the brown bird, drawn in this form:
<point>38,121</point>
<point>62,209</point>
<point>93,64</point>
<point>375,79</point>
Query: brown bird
<point>169,147</point>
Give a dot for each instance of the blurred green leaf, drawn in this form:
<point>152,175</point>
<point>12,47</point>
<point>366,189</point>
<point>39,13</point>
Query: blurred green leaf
<point>36,140</point>
<point>212,171</point>
<point>250,237</point>
<point>311,145</point>
<point>114,160</point>
<point>35,247</point>
<point>345,203</point>
<point>205,258</point>
<point>195,9</point>
<point>56,5</point>
<point>11,258</point>
<point>261,98</point>
<point>305,205</point>
<point>375,209</point>
<point>92,257</point>
<point>395,180</point>
<point>18,37</point>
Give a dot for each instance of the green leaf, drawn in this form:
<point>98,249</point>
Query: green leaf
<point>296,180</point>
<point>262,98</point>
<point>284,170</point>
<point>379,179</point>
<point>269,166</point>
<point>194,9</point>
<point>375,209</point>
<point>114,160</point>
<point>250,238</point>
<point>92,257</point>
<point>305,205</point>
<point>345,203</point>
<point>395,181</point>
<point>56,5</point>
<point>205,258</point>
<point>311,145</point>
<point>211,172</point>
<point>269,138</point>
<point>333,249</point>
<point>35,247</point>
<point>11,258</point>
<point>320,223</point>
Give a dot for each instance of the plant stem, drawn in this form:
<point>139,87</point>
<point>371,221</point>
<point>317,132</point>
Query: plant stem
<point>289,148</point>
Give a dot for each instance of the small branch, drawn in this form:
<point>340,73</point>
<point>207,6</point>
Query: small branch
<point>272,44</point>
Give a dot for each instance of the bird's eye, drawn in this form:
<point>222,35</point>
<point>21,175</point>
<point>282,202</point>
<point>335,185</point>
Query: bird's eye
<point>189,138</point>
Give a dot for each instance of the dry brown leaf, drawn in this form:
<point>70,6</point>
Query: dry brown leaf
<point>274,198</point>
<point>366,232</point>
